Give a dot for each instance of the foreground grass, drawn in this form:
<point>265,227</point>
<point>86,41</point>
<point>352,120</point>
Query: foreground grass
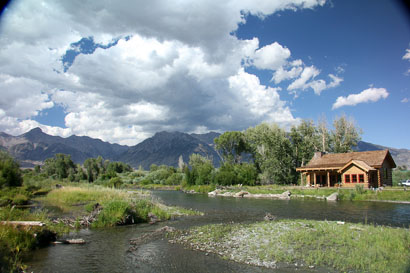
<point>361,248</point>
<point>118,206</point>
<point>16,242</point>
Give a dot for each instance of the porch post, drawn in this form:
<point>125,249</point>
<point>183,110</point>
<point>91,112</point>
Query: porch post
<point>308,179</point>
<point>328,179</point>
<point>378,178</point>
<point>314,179</point>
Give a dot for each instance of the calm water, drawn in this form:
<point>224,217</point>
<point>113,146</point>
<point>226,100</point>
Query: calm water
<point>106,249</point>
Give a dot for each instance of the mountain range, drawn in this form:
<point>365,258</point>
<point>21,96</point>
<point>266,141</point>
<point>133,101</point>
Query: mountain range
<point>33,147</point>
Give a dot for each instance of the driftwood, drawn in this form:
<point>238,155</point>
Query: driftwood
<point>70,241</point>
<point>23,223</point>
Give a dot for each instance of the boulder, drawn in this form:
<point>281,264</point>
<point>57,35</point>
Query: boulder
<point>332,197</point>
<point>214,193</point>
<point>241,194</point>
<point>286,194</point>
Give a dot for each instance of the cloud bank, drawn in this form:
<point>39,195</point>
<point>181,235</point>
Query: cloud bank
<point>125,70</point>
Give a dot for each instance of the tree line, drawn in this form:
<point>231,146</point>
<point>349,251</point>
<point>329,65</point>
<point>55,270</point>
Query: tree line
<point>264,154</point>
<point>272,154</point>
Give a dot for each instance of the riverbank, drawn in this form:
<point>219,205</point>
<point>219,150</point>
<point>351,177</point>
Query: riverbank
<point>304,244</point>
<point>79,206</point>
<point>394,195</point>
<point>397,195</point>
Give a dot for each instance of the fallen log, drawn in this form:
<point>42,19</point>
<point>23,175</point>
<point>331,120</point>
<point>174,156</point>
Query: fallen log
<point>23,223</point>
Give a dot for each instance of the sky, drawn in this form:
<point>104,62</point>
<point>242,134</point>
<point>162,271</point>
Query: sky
<point>121,71</point>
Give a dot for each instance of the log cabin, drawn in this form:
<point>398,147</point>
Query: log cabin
<point>372,169</point>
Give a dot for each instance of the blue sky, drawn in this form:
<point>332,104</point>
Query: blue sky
<point>123,71</point>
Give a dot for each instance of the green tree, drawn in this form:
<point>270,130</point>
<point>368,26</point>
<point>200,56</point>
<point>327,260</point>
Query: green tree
<point>10,174</point>
<point>201,169</point>
<point>305,140</point>
<point>272,153</point>
<point>231,145</point>
<point>93,168</point>
<point>344,136</point>
<point>60,166</point>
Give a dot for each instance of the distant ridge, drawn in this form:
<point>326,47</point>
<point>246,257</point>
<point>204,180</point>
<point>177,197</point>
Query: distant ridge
<point>166,148</point>
<point>33,147</point>
<point>400,156</point>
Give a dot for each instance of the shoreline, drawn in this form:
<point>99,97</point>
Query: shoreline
<point>304,244</point>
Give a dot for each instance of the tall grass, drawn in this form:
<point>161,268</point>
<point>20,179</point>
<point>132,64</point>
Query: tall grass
<point>349,247</point>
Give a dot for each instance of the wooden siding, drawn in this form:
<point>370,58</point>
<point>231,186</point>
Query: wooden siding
<point>354,170</point>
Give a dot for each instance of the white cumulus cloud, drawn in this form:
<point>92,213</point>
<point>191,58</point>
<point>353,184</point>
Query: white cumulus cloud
<point>368,95</point>
<point>176,66</point>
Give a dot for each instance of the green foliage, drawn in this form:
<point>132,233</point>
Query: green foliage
<point>61,166</point>
<point>153,167</point>
<point>115,212</point>
<point>246,174</point>
<point>345,135</point>
<point>272,152</point>
<point>359,189</point>
<point>159,176</point>
<point>201,170</point>
<point>115,182</point>
<point>174,179</point>
<point>93,166</point>
<point>231,145</point>
<point>231,174</point>
<point>14,196</point>
<point>305,141</point>
<point>225,175</point>
<point>10,174</point>
<point>400,174</point>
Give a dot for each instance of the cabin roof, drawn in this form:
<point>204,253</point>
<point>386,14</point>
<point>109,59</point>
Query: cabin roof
<point>359,163</point>
<point>372,159</point>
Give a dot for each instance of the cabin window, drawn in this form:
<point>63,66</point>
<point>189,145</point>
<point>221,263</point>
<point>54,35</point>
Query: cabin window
<point>361,178</point>
<point>347,178</point>
<point>354,178</point>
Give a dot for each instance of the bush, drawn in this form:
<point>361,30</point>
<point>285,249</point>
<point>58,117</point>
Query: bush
<point>359,189</point>
<point>160,175</point>
<point>246,174</point>
<point>174,179</point>
<point>115,182</point>
<point>225,175</point>
<point>116,212</point>
<point>10,174</point>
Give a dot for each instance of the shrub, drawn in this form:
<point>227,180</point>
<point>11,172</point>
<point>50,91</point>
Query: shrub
<point>10,174</point>
<point>115,182</point>
<point>246,174</point>
<point>175,179</point>
<point>359,189</point>
<point>116,212</point>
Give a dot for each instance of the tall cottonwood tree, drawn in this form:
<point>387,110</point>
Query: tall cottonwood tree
<point>324,135</point>
<point>305,139</point>
<point>272,153</point>
<point>230,145</point>
<point>344,136</point>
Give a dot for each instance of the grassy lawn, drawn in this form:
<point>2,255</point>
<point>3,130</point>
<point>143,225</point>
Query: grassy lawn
<point>361,248</point>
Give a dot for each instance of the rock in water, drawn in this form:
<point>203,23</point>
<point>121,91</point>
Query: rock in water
<point>332,197</point>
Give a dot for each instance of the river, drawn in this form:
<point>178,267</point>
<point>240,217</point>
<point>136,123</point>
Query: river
<point>107,249</point>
